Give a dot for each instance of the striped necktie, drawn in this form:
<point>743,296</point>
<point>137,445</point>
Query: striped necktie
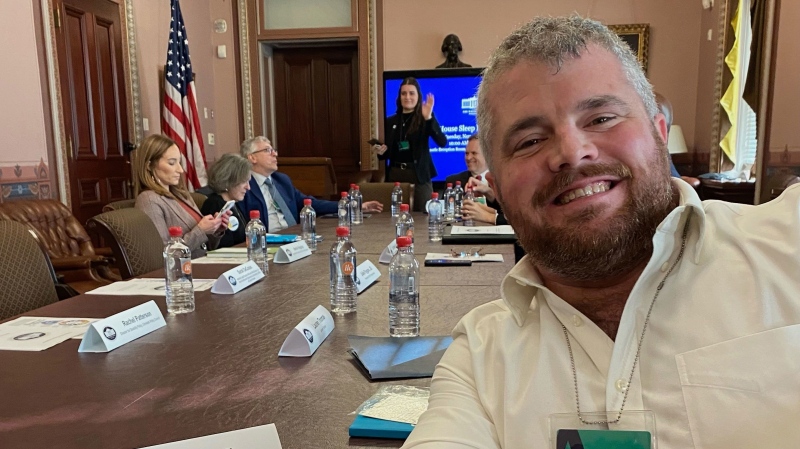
<point>279,203</point>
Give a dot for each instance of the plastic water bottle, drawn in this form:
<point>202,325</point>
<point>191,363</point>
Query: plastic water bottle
<point>404,291</point>
<point>308,223</point>
<point>178,268</point>
<point>449,203</point>
<point>458,198</point>
<point>405,224</point>
<point>343,273</point>
<point>435,218</point>
<point>345,211</point>
<point>356,200</point>
<point>397,199</point>
<point>469,196</point>
<point>257,241</point>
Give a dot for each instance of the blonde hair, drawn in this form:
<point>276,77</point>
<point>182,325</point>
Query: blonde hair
<point>146,157</point>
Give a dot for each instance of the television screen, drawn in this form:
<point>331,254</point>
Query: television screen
<point>455,101</point>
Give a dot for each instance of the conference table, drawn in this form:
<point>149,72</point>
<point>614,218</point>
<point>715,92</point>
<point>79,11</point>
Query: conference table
<point>217,369</point>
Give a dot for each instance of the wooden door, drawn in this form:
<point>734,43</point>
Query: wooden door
<point>89,40</point>
<point>316,105</point>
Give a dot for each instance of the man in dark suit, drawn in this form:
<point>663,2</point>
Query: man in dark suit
<point>273,194</point>
<point>476,164</point>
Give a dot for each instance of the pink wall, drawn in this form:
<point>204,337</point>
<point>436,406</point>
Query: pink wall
<point>215,78</point>
<point>414,29</point>
<point>786,102</point>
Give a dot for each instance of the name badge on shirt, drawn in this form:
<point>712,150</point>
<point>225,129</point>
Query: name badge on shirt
<point>403,145</point>
<point>634,430</point>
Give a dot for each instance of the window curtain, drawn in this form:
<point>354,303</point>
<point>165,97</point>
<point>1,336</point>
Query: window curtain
<point>758,19</point>
<point>730,100</point>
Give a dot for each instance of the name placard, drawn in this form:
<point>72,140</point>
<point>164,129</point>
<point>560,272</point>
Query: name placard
<point>237,279</point>
<point>388,253</point>
<point>306,337</point>
<point>366,274</point>
<point>291,252</point>
<point>110,333</point>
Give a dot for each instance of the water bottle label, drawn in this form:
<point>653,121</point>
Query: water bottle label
<point>347,268</point>
<point>186,266</point>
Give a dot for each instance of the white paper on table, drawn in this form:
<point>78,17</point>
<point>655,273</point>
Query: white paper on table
<point>37,334</point>
<point>145,286</point>
<point>259,437</point>
<point>483,258</point>
<point>42,324</point>
<point>221,260</point>
<point>482,230</point>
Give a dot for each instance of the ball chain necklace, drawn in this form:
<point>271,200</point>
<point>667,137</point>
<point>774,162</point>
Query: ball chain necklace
<point>638,348</point>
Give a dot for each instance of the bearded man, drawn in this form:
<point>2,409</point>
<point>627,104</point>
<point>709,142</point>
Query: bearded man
<point>638,307</point>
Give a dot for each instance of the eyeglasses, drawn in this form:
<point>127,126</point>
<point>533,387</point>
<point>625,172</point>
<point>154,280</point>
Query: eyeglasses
<point>472,252</point>
<point>269,150</point>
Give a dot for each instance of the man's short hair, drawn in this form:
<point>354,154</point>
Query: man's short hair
<point>249,145</point>
<point>551,40</point>
<point>472,137</point>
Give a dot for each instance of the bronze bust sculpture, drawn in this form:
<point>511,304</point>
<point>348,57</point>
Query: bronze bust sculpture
<point>450,47</point>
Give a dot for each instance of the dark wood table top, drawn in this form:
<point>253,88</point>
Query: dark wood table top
<point>218,369</point>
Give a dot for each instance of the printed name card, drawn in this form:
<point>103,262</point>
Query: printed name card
<point>259,437</point>
<point>366,274</point>
<point>306,337</point>
<point>237,279</point>
<point>291,252</point>
<point>388,253</point>
<point>111,333</point>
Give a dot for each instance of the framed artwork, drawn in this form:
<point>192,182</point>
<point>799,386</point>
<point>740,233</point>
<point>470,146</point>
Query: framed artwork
<point>637,36</point>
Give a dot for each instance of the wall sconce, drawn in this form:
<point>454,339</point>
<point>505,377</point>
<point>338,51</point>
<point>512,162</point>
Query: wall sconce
<point>675,141</point>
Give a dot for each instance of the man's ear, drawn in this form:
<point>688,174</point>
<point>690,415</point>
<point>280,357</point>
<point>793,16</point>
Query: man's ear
<point>660,123</point>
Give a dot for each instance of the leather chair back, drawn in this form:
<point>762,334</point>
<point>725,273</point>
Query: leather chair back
<point>58,230</point>
<point>133,238</point>
<point>28,280</point>
<point>382,191</point>
<point>121,204</point>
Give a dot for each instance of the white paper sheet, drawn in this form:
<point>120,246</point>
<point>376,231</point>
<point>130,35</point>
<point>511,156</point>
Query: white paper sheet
<point>259,437</point>
<point>30,333</point>
<point>147,287</point>
<point>483,258</point>
<point>482,230</point>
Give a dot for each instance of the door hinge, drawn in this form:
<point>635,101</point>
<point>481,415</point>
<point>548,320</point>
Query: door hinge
<point>69,148</point>
<point>57,17</point>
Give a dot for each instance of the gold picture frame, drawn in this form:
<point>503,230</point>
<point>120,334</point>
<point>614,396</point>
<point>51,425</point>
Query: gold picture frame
<point>637,36</point>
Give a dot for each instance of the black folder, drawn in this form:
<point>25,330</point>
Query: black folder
<point>398,357</point>
<point>477,239</point>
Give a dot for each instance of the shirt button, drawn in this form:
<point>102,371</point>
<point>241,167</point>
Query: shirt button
<point>665,267</point>
<point>577,321</point>
<point>621,385</point>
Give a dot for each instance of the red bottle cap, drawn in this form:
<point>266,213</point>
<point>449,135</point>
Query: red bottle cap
<point>403,241</point>
<point>255,214</point>
<point>449,184</point>
<point>397,184</point>
<point>435,195</point>
<point>357,187</point>
<point>175,231</point>
<point>458,183</point>
<point>342,231</point>
<point>307,202</point>
<point>352,186</point>
<point>404,207</point>
<point>344,194</point>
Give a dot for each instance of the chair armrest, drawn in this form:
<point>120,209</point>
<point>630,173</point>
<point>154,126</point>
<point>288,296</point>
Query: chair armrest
<point>78,262</point>
<point>104,251</point>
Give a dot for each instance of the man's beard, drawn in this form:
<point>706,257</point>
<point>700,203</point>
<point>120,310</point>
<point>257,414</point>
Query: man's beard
<point>622,244</point>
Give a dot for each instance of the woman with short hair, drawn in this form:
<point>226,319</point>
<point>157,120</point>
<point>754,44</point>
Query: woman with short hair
<point>166,201</point>
<point>229,177</point>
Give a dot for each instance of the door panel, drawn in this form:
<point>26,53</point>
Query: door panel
<point>92,87</point>
<point>316,105</point>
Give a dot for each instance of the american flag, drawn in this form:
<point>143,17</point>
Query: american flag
<point>180,121</point>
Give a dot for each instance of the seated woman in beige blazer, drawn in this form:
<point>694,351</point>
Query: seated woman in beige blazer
<point>164,199</point>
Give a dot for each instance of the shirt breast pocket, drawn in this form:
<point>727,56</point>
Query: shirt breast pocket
<point>745,392</point>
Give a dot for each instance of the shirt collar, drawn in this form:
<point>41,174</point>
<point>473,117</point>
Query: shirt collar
<point>523,283</point>
<point>260,179</point>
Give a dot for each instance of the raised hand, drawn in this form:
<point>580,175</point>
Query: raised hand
<point>209,224</point>
<point>380,149</point>
<point>372,206</point>
<point>479,187</point>
<point>427,107</point>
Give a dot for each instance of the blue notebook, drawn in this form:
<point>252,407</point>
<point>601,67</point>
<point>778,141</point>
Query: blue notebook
<point>281,238</point>
<point>366,427</point>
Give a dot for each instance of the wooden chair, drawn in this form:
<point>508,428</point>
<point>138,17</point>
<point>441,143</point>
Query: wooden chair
<point>311,175</point>
<point>28,280</point>
<point>133,239</point>
<point>382,191</point>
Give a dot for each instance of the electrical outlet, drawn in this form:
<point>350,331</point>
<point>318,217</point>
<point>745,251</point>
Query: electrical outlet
<point>211,139</point>
<point>145,124</point>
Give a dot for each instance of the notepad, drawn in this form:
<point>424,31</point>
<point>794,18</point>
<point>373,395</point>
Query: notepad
<point>398,357</point>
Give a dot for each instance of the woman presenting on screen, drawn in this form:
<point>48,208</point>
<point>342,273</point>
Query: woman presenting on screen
<point>407,151</point>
